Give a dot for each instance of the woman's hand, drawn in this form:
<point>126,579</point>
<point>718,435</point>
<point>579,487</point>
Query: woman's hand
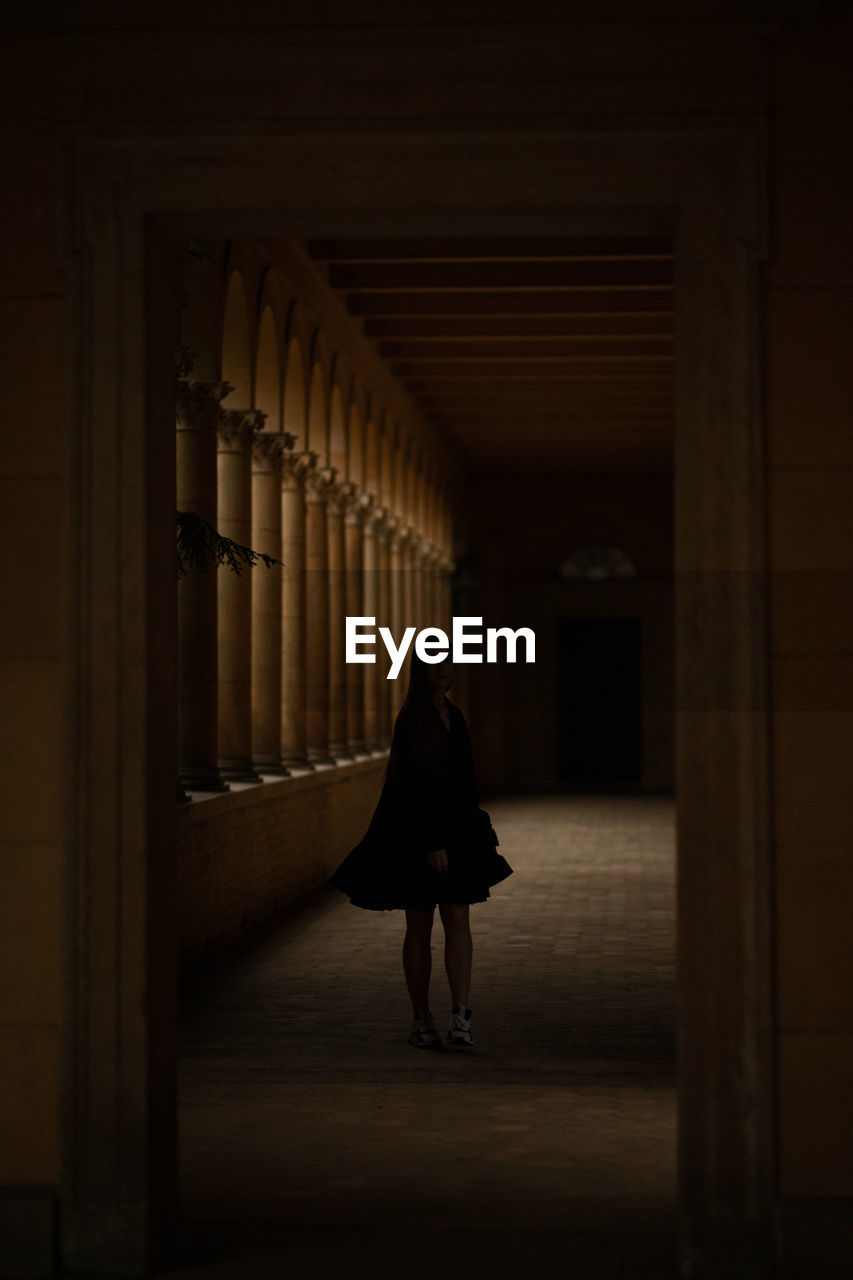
<point>437,860</point>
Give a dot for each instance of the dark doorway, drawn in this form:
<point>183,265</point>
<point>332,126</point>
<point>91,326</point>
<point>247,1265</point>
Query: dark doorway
<point>599,691</point>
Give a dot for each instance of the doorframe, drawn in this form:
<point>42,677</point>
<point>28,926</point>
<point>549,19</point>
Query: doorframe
<point>130,198</point>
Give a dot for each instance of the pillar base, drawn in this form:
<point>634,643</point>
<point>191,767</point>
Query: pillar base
<point>320,755</point>
<point>295,760</point>
<point>202,777</point>
<point>272,766</point>
<point>341,751</point>
<point>239,770</point>
<point>357,747</point>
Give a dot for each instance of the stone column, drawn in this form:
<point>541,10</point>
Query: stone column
<point>445,595</point>
<point>383,619</point>
<point>237,432</point>
<point>435,589</point>
<point>317,616</point>
<point>198,415</point>
<point>397,556</point>
<point>410,602</point>
<point>296,467</point>
<point>356,514</point>
<point>429,574</point>
<point>371,609</point>
<point>267,461</point>
<point>419,563</point>
<point>337,501</point>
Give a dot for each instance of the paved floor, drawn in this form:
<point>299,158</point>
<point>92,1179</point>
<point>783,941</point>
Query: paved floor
<point>317,1143</point>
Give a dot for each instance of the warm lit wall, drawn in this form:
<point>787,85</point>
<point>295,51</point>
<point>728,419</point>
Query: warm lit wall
<point>521,531</point>
<point>243,855</point>
<point>809,317</point>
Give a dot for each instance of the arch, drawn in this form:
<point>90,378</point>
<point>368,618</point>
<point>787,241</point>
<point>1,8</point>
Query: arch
<point>386,463</point>
<point>372,480</point>
<point>294,399</point>
<point>337,431</point>
<point>407,472</point>
<point>355,435</point>
<point>236,361</point>
<point>318,421</point>
<point>445,521</point>
<point>418,494</point>
<point>431,510</point>
<point>598,562</point>
<point>268,370</point>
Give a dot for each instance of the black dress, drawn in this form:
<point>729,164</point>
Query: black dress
<point>428,802</point>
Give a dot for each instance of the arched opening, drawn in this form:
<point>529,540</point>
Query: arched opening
<point>236,344</point>
<point>372,477</point>
<point>337,432</point>
<point>386,464</point>
<point>318,415</point>
<point>268,371</point>
<point>294,394</point>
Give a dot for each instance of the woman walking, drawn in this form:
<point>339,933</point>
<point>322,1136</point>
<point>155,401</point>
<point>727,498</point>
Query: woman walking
<point>428,845</point>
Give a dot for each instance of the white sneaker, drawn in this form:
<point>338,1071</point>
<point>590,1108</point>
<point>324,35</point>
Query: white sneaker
<point>424,1034</point>
<point>460,1027</point>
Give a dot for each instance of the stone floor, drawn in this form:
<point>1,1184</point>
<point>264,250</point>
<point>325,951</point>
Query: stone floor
<point>317,1143</point>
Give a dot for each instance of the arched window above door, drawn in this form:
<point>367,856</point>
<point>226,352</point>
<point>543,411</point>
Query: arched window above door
<point>598,562</point>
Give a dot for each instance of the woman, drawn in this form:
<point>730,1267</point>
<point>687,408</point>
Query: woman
<point>428,844</point>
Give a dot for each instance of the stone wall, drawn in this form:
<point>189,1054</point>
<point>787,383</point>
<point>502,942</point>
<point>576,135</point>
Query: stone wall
<point>246,854</point>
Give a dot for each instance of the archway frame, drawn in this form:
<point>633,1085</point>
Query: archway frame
<point>133,201</point>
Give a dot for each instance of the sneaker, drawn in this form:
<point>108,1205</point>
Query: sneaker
<point>460,1027</point>
<point>424,1034</point>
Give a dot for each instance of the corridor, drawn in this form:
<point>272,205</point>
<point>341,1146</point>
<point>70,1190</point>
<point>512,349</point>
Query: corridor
<point>315,1142</point>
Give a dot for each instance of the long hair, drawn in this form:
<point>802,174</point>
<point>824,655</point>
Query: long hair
<point>418,720</point>
<point>420,689</point>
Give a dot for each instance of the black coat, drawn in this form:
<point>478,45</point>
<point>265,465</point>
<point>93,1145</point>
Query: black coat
<point>428,802</point>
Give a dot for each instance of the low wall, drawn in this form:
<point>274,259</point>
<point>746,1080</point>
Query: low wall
<point>246,854</point>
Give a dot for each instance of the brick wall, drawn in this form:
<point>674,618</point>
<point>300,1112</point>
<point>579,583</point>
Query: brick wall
<point>244,855</point>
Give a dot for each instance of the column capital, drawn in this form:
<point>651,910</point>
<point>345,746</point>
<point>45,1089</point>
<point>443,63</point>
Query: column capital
<point>318,482</point>
<point>239,428</point>
<point>298,463</point>
<point>268,450</point>
<point>359,507</point>
<point>381,519</point>
<point>340,494</point>
<point>374,519</point>
<point>198,405</point>
<point>421,547</point>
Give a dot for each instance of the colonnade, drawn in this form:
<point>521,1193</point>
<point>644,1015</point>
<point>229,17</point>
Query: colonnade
<point>264,686</point>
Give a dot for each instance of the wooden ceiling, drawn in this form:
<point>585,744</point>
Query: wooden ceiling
<point>530,356</point>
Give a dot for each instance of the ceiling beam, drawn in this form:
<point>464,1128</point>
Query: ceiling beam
<point>524,303</point>
<point>532,367</point>
<point>490,248</point>
<point>604,325</point>
<point>415,350</point>
<point>498,276</point>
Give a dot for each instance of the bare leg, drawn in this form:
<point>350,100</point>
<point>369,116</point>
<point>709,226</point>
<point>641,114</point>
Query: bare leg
<point>417,958</point>
<point>458,950</point>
